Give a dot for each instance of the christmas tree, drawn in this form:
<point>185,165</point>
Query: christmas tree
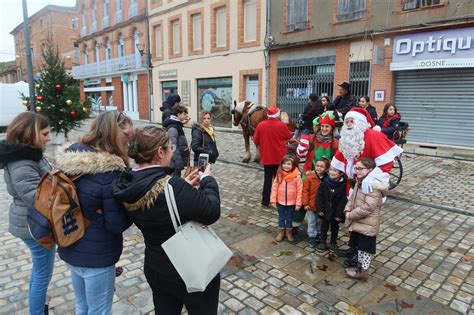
<point>57,93</point>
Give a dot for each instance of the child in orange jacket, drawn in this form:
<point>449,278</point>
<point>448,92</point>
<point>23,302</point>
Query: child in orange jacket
<point>287,191</point>
<point>310,189</point>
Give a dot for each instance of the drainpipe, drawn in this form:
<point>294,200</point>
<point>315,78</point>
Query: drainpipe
<point>151,112</point>
<point>266,52</point>
<point>29,65</point>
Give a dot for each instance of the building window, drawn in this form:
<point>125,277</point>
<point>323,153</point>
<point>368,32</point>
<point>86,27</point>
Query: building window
<point>74,23</point>
<point>158,41</point>
<point>133,8</point>
<point>351,10</point>
<point>94,17</point>
<point>84,22</point>
<point>359,78</point>
<point>105,20</point>
<point>97,52</point>
<point>221,27</point>
<point>215,95</point>
<point>108,49</point>
<point>250,21</point>
<point>136,41</point>
<point>86,55</point>
<point>297,14</point>
<point>417,4</point>
<point>121,46</point>
<point>197,32</point>
<point>76,54</point>
<point>295,83</point>
<point>175,37</point>
<point>118,11</point>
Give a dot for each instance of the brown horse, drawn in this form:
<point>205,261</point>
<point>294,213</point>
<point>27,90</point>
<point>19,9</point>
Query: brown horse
<point>248,123</point>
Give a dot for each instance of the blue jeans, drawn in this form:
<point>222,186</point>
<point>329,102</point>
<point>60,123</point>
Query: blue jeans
<point>43,263</point>
<point>285,216</point>
<point>94,289</point>
<point>314,224</point>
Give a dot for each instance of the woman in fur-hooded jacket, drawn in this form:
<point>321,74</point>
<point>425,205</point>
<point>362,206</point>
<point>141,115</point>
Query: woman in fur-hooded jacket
<point>98,158</point>
<point>141,189</point>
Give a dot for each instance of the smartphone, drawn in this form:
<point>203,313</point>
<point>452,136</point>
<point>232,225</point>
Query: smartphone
<point>203,161</point>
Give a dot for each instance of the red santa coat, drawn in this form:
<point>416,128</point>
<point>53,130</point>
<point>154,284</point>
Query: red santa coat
<point>271,137</point>
<point>377,147</point>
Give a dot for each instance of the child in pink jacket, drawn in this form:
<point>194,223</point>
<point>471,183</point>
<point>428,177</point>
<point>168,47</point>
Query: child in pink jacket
<point>287,192</point>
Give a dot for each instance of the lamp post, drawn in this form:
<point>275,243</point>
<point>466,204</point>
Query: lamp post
<point>141,50</point>
<point>29,65</point>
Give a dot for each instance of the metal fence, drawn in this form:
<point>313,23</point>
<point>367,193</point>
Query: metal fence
<point>296,83</point>
<point>359,78</point>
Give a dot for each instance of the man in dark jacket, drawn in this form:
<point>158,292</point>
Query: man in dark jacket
<point>345,100</point>
<point>174,125</point>
<point>311,111</point>
<point>171,100</point>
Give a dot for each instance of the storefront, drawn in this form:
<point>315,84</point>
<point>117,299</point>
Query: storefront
<point>215,96</point>
<point>434,86</point>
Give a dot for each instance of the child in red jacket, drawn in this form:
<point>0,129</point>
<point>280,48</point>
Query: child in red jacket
<point>287,191</point>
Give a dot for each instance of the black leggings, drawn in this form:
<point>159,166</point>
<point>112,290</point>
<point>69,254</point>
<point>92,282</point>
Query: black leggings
<point>325,228</point>
<point>169,296</point>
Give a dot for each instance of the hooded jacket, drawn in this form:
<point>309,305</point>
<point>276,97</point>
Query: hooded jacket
<point>178,138</point>
<point>23,168</point>
<point>202,142</point>
<point>142,193</point>
<point>389,125</point>
<point>363,210</point>
<point>168,104</point>
<point>331,198</point>
<point>102,243</point>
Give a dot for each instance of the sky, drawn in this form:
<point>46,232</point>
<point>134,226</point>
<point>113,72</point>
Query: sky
<point>11,14</point>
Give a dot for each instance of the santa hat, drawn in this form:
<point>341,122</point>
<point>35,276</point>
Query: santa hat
<point>360,114</point>
<point>326,118</point>
<point>273,112</point>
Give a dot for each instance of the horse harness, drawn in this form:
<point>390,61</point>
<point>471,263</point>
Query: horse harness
<point>245,121</point>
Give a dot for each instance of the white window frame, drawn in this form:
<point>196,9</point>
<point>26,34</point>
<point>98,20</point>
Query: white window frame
<point>221,13</point>
<point>108,50</point>
<point>248,3</point>
<point>97,52</point>
<point>121,46</point>
<point>175,32</point>
<point>159,41</point>
<point>196,20</point>
<point>136,41</point>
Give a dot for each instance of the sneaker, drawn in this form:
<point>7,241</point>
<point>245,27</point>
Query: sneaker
<point>321,247</point>
<point>347,253</point>
<point>333,247</point>
<point>312,242</point>
<point>357,273</point>
<point>350,262</point>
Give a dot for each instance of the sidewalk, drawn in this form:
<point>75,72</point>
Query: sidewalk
<point>423,265</point>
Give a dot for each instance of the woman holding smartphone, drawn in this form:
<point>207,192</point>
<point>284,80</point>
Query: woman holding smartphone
<point>204,139</point>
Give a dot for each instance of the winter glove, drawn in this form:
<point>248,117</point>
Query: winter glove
<point>375,174</point>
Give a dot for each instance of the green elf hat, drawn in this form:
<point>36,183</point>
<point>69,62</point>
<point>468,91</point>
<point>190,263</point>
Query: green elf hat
<point>325,118</point>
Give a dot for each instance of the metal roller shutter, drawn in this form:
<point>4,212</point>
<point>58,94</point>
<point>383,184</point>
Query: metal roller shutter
<point>438,105</point>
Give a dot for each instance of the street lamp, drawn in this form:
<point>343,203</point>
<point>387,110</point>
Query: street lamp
<point>141,51</point>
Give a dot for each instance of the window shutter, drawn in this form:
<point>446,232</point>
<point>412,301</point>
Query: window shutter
<point>290,15</point>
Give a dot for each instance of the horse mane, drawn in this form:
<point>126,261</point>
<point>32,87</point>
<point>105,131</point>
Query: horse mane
<point>239,108</point>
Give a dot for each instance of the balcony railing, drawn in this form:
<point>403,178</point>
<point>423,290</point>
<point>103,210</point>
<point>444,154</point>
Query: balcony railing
<point>94,26</point>
<point>83,31</point>
<point>105,21</point>
<point>133,10</point>
<point>118,16</point>
<point>111,66</point>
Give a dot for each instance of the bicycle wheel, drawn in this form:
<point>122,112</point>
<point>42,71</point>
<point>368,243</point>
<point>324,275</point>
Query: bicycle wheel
<point>396,173</point>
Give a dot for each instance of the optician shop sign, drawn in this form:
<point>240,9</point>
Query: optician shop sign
<point>452,48</point>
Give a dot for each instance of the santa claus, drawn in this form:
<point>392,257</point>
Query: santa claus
<point>358,140</point>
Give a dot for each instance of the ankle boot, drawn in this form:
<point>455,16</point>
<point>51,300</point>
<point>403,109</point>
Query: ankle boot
<point>289,235</point>
<point>281,234</point>
<point>357,273</point>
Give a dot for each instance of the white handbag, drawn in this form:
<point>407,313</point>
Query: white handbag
<point>195,251</point>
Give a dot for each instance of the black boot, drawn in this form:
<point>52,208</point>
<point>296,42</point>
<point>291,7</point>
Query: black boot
<point>347,252</point>
<point>351,262</point>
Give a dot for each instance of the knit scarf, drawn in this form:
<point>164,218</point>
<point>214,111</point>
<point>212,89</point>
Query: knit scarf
<point>388,119</point>
<point>210,132</point>
<point>321,138</point>
<point>289,176</point>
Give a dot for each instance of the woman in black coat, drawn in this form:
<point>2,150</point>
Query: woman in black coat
<point>204,138</point>
<point>364,102</point>
<point>142,192</point>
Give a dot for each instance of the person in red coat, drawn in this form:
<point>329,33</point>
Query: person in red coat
<point>271,136</point>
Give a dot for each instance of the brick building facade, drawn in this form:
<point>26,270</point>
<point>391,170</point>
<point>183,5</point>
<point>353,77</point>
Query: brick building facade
<point>113,73</point>
<point>393,51</point>
<point>209,52</point>
<point>56,21</point>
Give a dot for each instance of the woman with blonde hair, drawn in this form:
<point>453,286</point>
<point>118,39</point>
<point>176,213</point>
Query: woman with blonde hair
<point>204,138</point>
<point>98,158</point>
<point>141,189</point>
<point>21,157</point>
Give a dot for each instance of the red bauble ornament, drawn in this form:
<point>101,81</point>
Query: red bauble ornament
<point>73,114</point>
<point>58,87</point>
<point>39,98</point>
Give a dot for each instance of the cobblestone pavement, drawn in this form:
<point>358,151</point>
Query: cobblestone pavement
<point>424,261</point>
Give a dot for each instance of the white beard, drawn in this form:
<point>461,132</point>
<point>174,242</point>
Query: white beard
<point>352,141</point>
